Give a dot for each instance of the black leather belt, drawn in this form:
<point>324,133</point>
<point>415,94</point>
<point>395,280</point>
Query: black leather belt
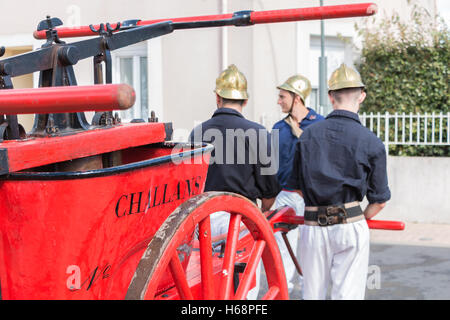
<point>336,214</point>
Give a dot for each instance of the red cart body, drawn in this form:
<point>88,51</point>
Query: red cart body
<point>60,228</point>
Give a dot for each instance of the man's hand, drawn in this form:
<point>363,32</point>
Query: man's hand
<point>266,204</point>
<point>373,209</point>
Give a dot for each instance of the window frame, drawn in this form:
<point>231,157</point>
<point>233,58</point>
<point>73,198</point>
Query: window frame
<point>135,52</point>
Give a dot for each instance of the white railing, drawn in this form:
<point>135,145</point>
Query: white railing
<point>409,129</point>
<point>428,129</point>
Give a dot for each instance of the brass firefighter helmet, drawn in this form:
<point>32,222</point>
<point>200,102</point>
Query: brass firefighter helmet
<point>345,77</point>
<point>298,85</point>
<point>232,84</point>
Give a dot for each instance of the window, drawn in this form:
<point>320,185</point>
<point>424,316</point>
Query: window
<point>130,67</point>
<point>337,52</point>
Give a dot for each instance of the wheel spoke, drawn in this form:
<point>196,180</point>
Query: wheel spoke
<point>205,280</point>
<point>272,293</point>
<point>250,269</point>
<point>179,277</point>
<point>226,288</point>
<point>206,258</point>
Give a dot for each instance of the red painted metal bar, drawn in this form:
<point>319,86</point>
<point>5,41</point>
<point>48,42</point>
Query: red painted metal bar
<point>315,13</point>
<point>373,224</point>
<point>67,99</point>
<point>226,287</point>
<point>37,152</point>
<point>256,17</point>
<point>386,225</point>
<point>272,293</point>
<point>179,277</point>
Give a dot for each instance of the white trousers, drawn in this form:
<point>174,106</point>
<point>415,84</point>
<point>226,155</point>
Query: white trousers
<point>336,255</point>
<point>295,201</point>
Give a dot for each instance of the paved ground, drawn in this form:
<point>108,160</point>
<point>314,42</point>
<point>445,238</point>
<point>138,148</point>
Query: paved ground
<point>415,234</point>
<point>409,264</point>
<point>413,264</point>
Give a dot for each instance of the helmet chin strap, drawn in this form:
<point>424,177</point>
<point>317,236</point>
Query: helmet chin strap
<point>293,102</point>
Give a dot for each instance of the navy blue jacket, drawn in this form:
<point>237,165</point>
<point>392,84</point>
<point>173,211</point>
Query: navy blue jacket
<point>287,142</point>
<point>339,161</point>
<point>238,163</point>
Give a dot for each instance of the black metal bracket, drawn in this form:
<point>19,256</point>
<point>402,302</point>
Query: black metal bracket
<point>104,56</point>
<point>239,19</point>
<point>242,18</point>
<point>4,164</point>
<point>60,74</point>
<point>105,30</point>
<point>51,34</point>
<point>153,117</point>
<point>10,129</point>
<point>128,24</point>
<point>169,130</point>
<point>105,118</point>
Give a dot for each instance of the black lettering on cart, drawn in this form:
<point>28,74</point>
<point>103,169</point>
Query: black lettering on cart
<point>132,202</point>
<point>99,273</point>
<point>118,204</point>
<point>159,195</point>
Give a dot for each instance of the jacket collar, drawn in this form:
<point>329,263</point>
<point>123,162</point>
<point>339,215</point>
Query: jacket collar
<point>227,111</point>
<point>312,115</point>
<point>344,114</point>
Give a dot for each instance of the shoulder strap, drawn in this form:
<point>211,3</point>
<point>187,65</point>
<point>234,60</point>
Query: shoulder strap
<point>295,129</point>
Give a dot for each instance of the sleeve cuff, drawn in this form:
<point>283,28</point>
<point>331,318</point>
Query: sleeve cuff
<point>379,198</point>
<point>272,194</point>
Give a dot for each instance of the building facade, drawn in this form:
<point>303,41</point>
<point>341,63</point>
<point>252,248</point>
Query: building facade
<point>174,75</point>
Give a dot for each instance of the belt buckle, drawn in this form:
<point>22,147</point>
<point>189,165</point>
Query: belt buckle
<point>331,215</point>
<point>322,217</point>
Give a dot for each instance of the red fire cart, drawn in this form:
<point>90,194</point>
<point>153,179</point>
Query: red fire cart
<point>106,210</point>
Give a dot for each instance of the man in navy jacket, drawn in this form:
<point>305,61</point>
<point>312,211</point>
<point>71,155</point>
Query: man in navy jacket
<point>292,99</point>
<point>337,163</point>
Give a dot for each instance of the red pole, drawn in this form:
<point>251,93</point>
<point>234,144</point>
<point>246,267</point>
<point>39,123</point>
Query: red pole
<point>67,99</point>
<point>373,224</point>
<point>386,225</point>
<point>256,17</point>
<point>315,13</point>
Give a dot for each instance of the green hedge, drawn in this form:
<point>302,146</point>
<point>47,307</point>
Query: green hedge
<point>405,67</point>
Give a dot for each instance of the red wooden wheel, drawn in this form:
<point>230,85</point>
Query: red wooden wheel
<point>209,276</point>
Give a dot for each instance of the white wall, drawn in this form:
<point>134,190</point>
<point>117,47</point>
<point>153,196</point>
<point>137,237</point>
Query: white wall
<point>420,190</point>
